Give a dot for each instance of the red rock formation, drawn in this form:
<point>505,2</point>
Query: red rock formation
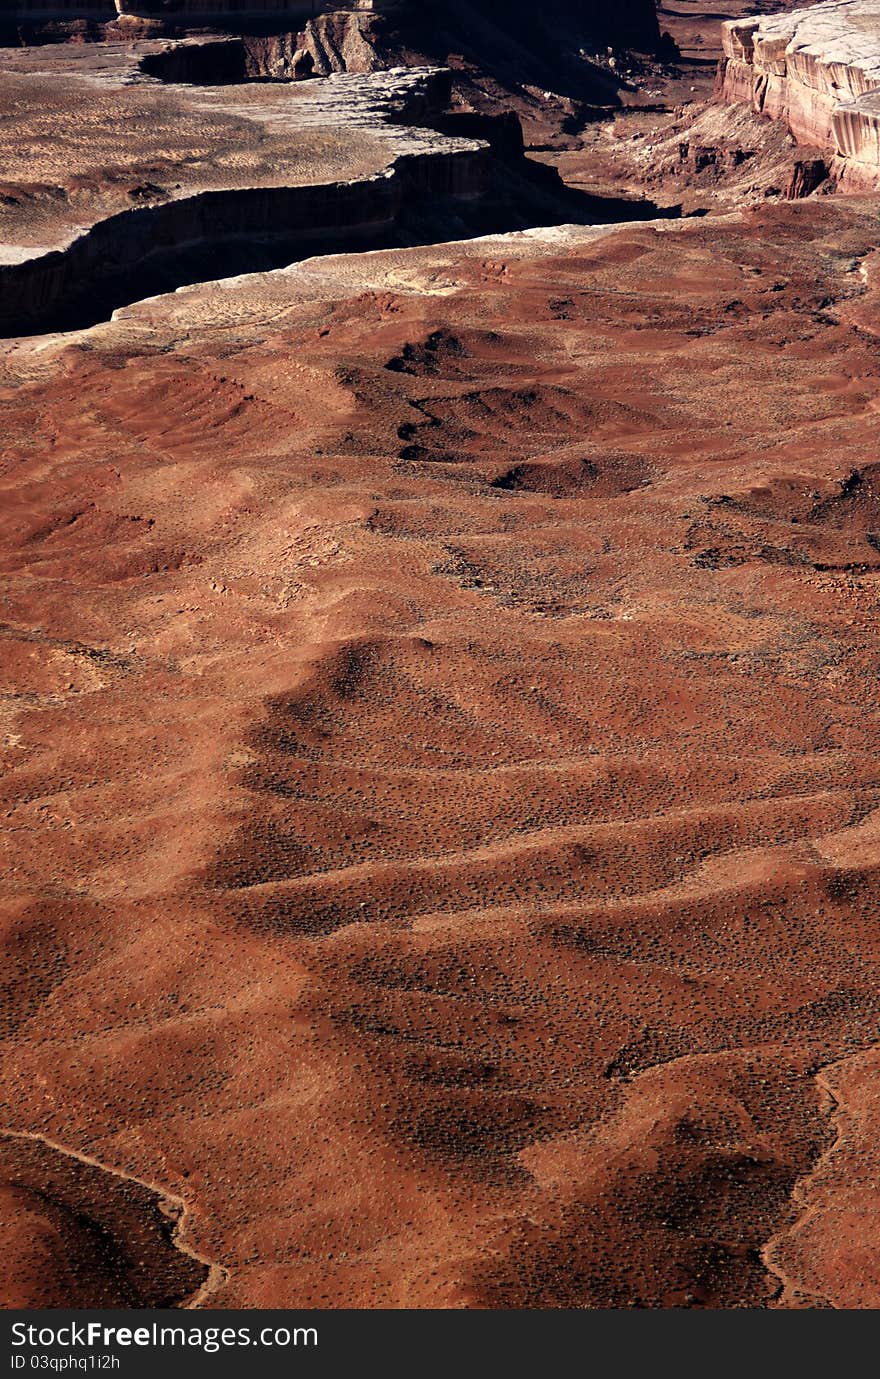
<point>818,70</point>
<point>629,22</point>
<point>807,176</point>
<point>340,42</point>
<point>439,730</point>
<point>856,135</point>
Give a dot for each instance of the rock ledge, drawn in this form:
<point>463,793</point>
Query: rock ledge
<point>818,70</point>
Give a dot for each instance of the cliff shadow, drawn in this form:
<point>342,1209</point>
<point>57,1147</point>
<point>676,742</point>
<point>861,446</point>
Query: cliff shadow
<point>225,235</point>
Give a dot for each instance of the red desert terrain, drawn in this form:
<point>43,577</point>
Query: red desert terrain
<point>442,805</point>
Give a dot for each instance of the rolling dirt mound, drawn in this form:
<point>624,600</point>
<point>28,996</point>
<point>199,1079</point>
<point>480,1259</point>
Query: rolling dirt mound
<point>440,740</point>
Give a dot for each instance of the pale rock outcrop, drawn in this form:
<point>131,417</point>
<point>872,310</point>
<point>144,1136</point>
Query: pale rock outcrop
<point>340,42</point>
<point>818,71</point>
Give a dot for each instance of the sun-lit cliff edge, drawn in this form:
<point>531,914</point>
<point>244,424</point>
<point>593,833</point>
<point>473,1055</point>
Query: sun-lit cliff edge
<point>817,70</point>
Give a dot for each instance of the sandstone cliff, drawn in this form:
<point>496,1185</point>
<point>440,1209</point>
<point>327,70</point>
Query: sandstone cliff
<point>37,21</point>
<point>628,22</point>
<point>818,71</point>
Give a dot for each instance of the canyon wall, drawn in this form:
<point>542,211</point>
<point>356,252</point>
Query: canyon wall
<point>818,71</point>
<point>629,22</point>
<point>38,21</point>
<point>103,11</point>
<point>42,288</point>
<point>328,43</point>
<point>311,218</point>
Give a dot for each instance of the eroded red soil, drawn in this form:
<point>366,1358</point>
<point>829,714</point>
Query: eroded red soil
<point>441,794</point>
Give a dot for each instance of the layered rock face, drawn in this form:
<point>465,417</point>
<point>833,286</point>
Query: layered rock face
<point>36,21</point>
<point>522,51</point>
<point>203,168</point>
<point>336,42</point>
<point>857,139</point>
<point>818,70</point>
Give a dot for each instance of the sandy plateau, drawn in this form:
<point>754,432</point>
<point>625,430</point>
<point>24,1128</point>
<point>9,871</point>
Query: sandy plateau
<point>440,731</point>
